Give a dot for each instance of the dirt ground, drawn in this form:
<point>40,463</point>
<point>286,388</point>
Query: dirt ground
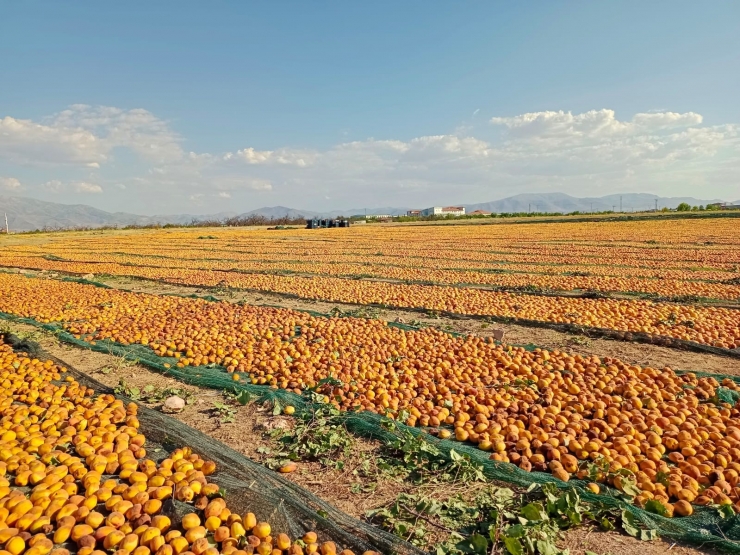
<point>250,435</point>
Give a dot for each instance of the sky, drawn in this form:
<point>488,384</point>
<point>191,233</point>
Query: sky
<point>205,107</point>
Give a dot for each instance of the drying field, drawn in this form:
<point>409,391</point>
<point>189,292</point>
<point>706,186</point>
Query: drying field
<point>677,280</point>
<point>667,440</point>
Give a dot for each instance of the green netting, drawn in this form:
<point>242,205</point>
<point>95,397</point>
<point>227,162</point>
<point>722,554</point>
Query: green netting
<point>705,527</point>
<point>249,486</point>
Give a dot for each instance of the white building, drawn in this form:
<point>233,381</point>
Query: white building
<point>444,211</point>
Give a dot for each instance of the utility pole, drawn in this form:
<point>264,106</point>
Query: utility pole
<point>613,207</point>
<point>7,231</point>
<point>592,208</point>
<point>529,210</point>
<point>656,204</point>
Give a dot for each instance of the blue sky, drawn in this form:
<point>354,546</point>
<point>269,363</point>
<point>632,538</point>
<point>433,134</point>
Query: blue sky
<point>202,107</point>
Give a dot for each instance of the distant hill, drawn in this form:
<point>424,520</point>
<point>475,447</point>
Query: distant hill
<point>559,202</point>
<point>282,211</point>
<point>279,212</point>
<point>27,214</point>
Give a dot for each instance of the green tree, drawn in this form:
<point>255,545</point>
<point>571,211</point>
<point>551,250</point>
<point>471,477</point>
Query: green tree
<point>683,207</point>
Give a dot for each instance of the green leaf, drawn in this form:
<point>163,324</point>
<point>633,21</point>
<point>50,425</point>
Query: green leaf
<point>630,526</point>
<point>515,531</point>
<point>276,408</point>
<point>662,478</point>
<point>628,523</point>
<point>546,547</point>
<point>648,535</point>
<point>630,488</point>
<point>475,544</point>
<point>514,546</point>
<point>656,507</point>
<point>725,511</point>
<point>534,511</point>
<point>243,397</point>
<point>574,516</point>
<point>606,524</point>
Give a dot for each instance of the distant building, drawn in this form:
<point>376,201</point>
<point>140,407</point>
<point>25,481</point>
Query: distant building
<point>479,213</point>
<point>378,217</point>
<point>723,206</point>
<point>414,213</point>
<point>444,211</point>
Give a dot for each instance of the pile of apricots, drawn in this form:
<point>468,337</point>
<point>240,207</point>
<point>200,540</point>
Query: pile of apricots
<point>75,478</point>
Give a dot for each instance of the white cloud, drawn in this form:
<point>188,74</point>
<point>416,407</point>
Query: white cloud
<point>597,143</point>
<point>54,186</point>
<point>27,142</point>
<point>81,187</point>
<point>284,157</point>
<point>594,123</point>
<point>86,136</point>
<point>666,120</point>
<point>259,185</point>
<point>136,129</point>
<point>84,187</point>
<point>10,184</point>
<point>579,153</point>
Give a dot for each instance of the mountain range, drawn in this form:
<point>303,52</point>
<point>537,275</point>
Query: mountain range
<point>27,214</point>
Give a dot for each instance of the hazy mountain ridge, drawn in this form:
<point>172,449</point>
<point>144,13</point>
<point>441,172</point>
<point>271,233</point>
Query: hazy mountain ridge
<point>26,214</point>
<point>559,202</point>
<point>282,211</point>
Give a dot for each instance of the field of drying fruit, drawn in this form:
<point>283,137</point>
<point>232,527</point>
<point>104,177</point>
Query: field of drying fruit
<point>665,440</point>
<point>675,280</point>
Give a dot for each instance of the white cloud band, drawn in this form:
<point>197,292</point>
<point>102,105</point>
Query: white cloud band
<point>556,150</point>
